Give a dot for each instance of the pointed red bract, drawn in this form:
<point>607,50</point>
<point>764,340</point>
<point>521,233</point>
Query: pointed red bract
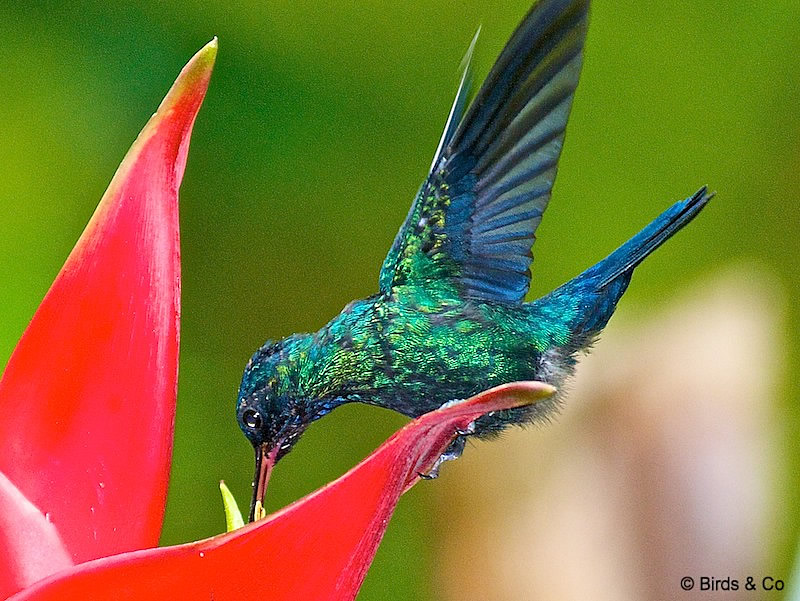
<point>88,397</point>
<point>317,549</point>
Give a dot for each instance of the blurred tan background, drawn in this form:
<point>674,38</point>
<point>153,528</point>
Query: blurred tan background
<point>677,450</point>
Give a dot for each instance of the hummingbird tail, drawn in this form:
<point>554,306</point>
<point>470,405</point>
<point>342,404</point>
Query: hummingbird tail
<point>597,290</point>
<point>623,260</point>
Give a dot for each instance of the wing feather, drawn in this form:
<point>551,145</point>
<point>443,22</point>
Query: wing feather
<point>474,218</point>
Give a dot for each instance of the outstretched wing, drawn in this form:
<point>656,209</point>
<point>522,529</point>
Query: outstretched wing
<point>474,218</point>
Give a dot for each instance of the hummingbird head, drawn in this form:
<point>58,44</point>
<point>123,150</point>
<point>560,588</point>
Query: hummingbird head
<point>272,410</point>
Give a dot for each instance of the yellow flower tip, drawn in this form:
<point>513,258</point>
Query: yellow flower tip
<point>545,390</point>
<point>175,115</point>
<point>193,78</point>
<point>233,517</point>
<point>206,56</point>
<point>260,512</point>
<point>523,393</point>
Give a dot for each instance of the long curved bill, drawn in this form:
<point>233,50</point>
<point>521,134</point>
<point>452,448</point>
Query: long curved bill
<point>265,461</point>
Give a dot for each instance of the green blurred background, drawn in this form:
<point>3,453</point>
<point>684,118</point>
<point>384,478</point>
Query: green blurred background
<point>319,124</point>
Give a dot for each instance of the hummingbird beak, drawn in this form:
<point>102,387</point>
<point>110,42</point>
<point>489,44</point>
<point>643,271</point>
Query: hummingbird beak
<point>265,461</point>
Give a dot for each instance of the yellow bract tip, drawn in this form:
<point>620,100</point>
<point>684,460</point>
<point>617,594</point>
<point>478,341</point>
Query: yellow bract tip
<point>233,517</point>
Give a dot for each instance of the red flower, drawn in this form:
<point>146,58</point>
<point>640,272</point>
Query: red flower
<point>88,396</point>
<point>88,402</point>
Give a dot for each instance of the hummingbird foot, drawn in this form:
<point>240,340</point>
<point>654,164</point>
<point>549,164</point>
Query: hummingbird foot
<point>468,431</point>
<point>452,453</point>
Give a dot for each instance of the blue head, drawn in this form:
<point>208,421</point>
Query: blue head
<point>273,409</point>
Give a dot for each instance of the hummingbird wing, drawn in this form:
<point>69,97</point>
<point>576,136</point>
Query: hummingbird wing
<point>474,218</point>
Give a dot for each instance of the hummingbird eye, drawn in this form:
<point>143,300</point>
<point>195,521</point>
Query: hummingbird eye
<point>252,419</point>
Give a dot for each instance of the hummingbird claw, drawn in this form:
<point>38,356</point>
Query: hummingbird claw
<point>431,475</point>
<point>452,453</point>
<point>469,430</point>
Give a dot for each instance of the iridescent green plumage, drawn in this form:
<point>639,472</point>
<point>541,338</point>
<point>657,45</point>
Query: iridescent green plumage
<point>411,351</point>
<point>450,318</point>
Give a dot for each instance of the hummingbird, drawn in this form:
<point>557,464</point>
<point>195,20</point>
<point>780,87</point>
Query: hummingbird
<point>450,317</point>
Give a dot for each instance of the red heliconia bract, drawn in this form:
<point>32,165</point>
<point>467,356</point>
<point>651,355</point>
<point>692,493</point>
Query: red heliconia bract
<point>317,549</point>
<point>87,403</point>
<point>88,397</point>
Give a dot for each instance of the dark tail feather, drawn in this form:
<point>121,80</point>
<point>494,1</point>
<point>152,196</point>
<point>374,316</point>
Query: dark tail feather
<point>634,251</point>
<point>598,289</point>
